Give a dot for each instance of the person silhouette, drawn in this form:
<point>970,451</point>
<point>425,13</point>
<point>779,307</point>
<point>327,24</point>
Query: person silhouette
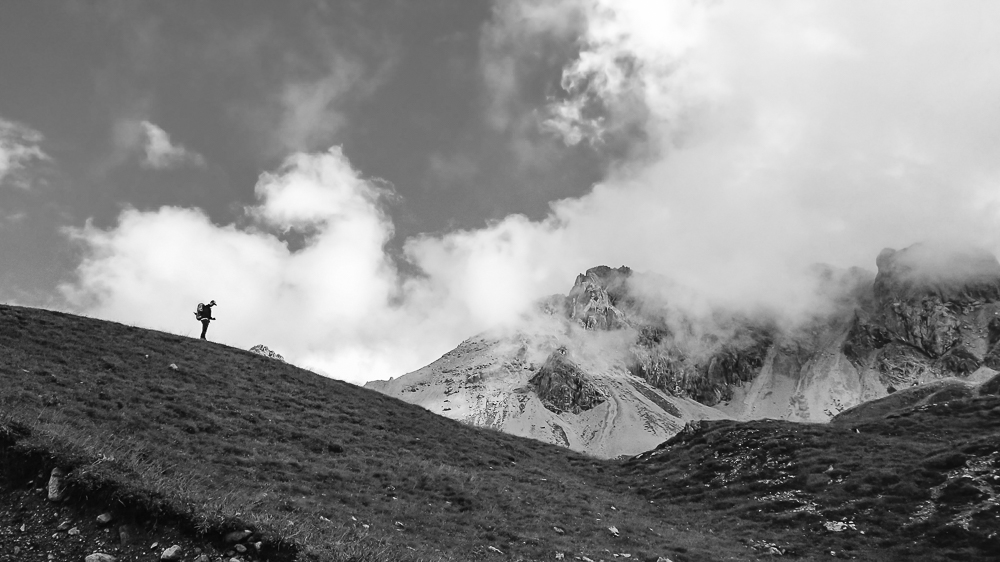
<point>204,313</point>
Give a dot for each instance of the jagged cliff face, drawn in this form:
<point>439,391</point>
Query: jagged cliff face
<point>614,372</point>
<point>596,296</point>
<point>932,316</point>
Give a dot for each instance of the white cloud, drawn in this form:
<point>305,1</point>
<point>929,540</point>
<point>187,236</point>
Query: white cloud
<point>780,134</point>
<point>783,133</point>
<point>310,110</point>
<point>19,147</point>
<point>161,153</point>
<point>337,305</point>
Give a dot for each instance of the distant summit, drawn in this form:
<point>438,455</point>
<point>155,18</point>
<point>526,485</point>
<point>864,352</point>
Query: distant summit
<point>263,350</point>
<point>596,295</point>
<point>616,365</point>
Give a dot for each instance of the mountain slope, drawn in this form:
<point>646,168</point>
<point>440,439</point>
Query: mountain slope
<point>161,428</point>
<point>487,382</point>
<point>321,470</point>
<point>914,477</point>
<point>649,366</point>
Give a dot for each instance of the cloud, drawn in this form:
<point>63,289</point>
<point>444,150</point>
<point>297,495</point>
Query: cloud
<point>338,304</point>
<point>776,135</point>
<point>19,148</point>
<point>780,134</point>
<point>310,110</point>
<point>161,154</point>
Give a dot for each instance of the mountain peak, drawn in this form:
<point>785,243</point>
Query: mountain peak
<point>596,297</point>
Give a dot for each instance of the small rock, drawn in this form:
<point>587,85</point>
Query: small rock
<point>663,559</point>
<point>613,530</point>
<point>235,560</point>
<point>99,557</point>
<point>56,485</point>
<point>64,525</point>
<point>125,535</point>
<point>172,553</point>
<point>202,558</point>
<point>236,536</point>
<point>560,556</point>
<point>240,548</point>
<point>17,550</point>
<point>173,366</point>
<point>258,545</point>
<point>104,519</point>
<point>559,530</point>
<point>52,557</point>
<point>73,532</point>
<point>23,527</point>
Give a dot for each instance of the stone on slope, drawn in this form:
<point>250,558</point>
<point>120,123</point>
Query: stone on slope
<point>55,488</point>
<point>172,553</point>
<point>261,349</point>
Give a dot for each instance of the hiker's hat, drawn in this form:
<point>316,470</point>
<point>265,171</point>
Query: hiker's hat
<point>212,303</point>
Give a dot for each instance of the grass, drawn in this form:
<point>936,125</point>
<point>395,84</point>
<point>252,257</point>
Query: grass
<point>922,483</point>
<point>211,438</point>
<point>220,438</point>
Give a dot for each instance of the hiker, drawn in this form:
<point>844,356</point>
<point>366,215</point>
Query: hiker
<point>204,313</point>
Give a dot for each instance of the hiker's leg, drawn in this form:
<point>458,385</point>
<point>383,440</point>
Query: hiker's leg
<point>204,328</point>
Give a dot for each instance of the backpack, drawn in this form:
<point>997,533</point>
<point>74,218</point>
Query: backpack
<point>200,313</point>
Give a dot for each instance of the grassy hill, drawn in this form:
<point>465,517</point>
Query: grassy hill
<point>914,483</point>
<point>188,440</point>
<point>211,439</point>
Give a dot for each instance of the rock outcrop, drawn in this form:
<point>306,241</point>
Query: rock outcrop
<point>934,314</point>
<point>563,386</point>
<point>263,350</point>
<point>596,296</point>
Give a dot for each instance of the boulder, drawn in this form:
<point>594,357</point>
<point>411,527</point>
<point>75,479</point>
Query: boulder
<point>99,557</point>
<point>55,492</point>
<point>173,553</point>
<point>263,350</point>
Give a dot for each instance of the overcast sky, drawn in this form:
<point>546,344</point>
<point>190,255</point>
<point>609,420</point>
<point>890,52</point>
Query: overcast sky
<point>362,185</point>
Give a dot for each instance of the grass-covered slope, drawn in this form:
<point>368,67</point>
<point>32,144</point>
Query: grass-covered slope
<point>164,427</point>
<point>914,483</point>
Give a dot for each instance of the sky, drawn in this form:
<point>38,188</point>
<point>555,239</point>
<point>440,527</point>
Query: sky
<point>361,185</point>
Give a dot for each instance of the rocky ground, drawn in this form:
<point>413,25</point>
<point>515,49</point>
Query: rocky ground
<point>32,528</point>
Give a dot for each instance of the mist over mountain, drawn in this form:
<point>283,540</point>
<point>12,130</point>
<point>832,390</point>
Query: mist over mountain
<point>625,359</point>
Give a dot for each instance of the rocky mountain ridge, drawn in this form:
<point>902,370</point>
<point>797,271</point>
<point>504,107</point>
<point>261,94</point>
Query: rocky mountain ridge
<point>610,361</point>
